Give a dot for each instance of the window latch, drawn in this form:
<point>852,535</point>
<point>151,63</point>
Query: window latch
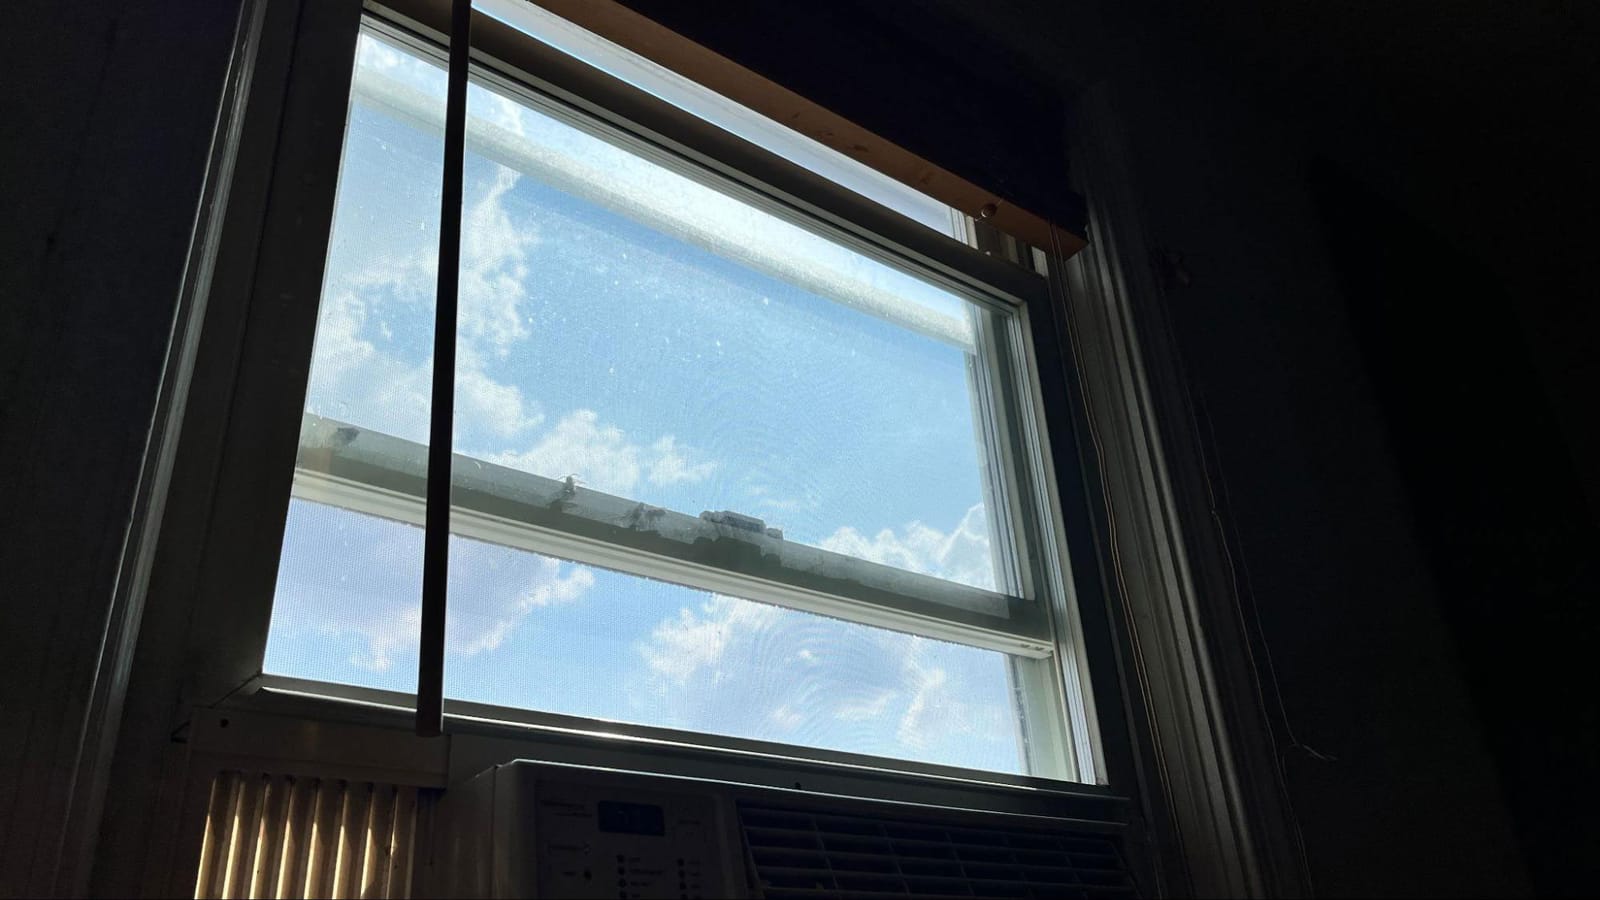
<point>742,522</point>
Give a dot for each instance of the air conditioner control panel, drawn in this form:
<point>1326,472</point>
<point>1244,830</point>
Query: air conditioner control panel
<point>598,842</point>
<point>553,830</point>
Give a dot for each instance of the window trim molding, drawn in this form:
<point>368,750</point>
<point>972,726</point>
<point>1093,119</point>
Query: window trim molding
<point>150,757</point>
<point>69,869</point>
<point>1203,740</point>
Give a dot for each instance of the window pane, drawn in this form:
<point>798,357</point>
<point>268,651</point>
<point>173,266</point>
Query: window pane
<point>697,353</point>
<point>348,603</point>
<point>373,359</point>
<point>530,632</point>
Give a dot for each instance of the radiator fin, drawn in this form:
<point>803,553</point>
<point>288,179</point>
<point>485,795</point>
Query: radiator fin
<point>277,837</point>
<point>798,853</point>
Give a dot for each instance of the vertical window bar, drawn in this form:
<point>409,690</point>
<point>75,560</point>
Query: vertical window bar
<point>436,527</point>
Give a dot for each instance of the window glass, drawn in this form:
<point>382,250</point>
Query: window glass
<point>526,631</point>
<point>628,330</point>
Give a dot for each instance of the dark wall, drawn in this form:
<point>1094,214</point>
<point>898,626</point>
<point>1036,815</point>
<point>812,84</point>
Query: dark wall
<point>1499,512</point>
<point>108,108</point>
<point>1473,121</point>
<point>1385,762</point>
<point>1389,365</point>
<point>1452,171</point>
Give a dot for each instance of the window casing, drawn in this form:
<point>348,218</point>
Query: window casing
<point>1166,754</point>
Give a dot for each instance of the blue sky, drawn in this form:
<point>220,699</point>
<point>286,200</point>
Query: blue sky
<point>603,340</point>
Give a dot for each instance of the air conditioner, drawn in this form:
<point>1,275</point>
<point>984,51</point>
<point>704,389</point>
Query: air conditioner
<point>527,829</point>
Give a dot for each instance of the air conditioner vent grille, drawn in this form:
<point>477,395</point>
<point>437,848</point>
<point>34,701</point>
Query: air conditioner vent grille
<point>798,853</point>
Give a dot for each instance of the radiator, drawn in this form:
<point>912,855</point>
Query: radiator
<point>280,836</point>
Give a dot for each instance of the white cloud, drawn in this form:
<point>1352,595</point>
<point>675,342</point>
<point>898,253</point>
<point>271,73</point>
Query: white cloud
<point>492,590</point>
<point>927,698</point>
<point>762,671</point>
<point>360,376</point>
<point>963,555</point>
<point>482,620</point>
<point>374,54</point>
<point>354,378</point>
<point>602,456</point>
<point>496,407</point>
<point>697,640</point>
<point>671,466</point>
<point>494,265</point>
<point>863,709</point>
<point>787,719</point>
<point>497,110</point>
<point>739,667</point>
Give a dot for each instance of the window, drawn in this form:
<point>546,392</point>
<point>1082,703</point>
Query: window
<point>907,631</point>
<point>720,467</point>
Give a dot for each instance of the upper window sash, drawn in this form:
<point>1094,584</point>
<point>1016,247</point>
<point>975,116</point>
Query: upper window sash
<point>367,471</point>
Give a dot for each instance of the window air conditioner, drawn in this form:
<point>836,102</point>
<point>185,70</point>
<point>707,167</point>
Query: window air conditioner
<point>552,830</point>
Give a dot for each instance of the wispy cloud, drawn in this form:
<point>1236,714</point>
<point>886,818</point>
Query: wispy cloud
<point>494,253</point>
<point>786,719</point>
<point>374,594</point>
<point>925,683</point>
<point>865,708</point>
<point>603,457</point>
<point>697,641</point>
<point>671,463</point>
<point>363,374</point>
<point>766,498</point>
<point>482,616</point>
<point>371,364</point>
<point>789,670</point>
<point>962,554</point>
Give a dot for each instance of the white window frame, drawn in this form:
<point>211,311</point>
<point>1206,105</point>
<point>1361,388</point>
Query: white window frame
<point>1041,635</point>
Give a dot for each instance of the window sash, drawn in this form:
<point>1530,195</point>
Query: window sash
<point>377,474</point>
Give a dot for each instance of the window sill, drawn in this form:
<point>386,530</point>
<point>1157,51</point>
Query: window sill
<point>478,736</point>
